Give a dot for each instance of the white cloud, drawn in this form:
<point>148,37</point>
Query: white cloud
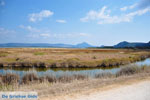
<point>39,35</point>
<point>45,35</point>
<point>103,16</point>
<point>133,6</point>
<point>39,16</point>
<point>6,31</point>
<point>32,35</point>
<point>58,35</point>
<point>93,15</point>
<point>61,21</point>
<point>36,33</point>
<point>124,8</point>
<point>2,3</point>
<point>29,28</point>
<point>129,7</point>
<point>84,34</point>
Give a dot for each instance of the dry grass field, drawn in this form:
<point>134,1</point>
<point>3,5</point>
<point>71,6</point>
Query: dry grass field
<point>53,88</point>
<point>64,57</point>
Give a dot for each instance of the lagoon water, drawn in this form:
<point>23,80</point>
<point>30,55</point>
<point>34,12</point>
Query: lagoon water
<point>68,71</point>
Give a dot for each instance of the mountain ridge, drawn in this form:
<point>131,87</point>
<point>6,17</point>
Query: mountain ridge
<point>126,44</point>
<point>57,45</point>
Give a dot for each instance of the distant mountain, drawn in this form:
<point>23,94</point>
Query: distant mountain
<point>139,45</point>
<point>81,45</point>
<point>102,46</point>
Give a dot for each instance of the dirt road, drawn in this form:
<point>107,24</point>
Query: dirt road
<point>134,91</point>
<point>140,91</point>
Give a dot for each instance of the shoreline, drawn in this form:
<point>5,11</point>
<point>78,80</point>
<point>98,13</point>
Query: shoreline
<point>53,88</point>
<point>12,81</point>
<point>107,63</point>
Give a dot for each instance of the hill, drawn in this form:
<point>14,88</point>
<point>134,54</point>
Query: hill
<point>59,45</point>
<point>139,45</point>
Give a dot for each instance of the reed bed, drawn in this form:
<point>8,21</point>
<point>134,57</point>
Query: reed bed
<point>72,58</point>
<point>11,80</point>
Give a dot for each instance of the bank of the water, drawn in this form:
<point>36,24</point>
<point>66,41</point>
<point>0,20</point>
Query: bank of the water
<point>74,63</point>
<point>70,71</point>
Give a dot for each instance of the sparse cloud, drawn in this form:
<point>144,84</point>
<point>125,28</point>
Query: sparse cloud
<point>39,16</point>
<point>103,16</point>
<point>45,35</point>
<point>29,28</point>
<point>129,7</point>
<point>142,4</point>
<point>32,35</point>
<point>71,35</point>
<point>39,35</point>
<point>61,21</point>
<point>34,32</point>
<point>84,34</point>
<point>2,3</point>
<point>124,8</point>
<point>6,31</point>
<point>58,35</point>
<point>94,15</point>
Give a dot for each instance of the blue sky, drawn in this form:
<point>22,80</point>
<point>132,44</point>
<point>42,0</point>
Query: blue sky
<point>97,22</point>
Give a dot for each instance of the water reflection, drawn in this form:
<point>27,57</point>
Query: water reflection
<point>67,71</point>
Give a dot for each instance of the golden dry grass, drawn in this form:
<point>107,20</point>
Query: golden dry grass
<point>59,57</point>
<point>52,91</point>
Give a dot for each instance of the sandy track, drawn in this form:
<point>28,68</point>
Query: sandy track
<point>139,91</point>
<point>136,87</point>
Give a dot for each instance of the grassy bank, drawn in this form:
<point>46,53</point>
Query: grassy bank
<point>14,82</point>
<point>69,58</point>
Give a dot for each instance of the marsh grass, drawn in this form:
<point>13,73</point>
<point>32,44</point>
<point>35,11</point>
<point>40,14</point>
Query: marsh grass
<point>10,60</point>
<point>68,78</point>
<point>65,79</point>
<point>12,81</point>
<point>50,79</point>
<point>75,58</point>
<point>80,77</point>
<point>39,53</point>
<point>129,71</point>
<point>3,54</point>
<point>28,78</point>
<point>104,75</point>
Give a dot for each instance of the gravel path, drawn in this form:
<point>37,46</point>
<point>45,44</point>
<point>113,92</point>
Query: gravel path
<point>139,91</point>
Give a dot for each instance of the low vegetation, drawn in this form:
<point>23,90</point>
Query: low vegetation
<point>3,54</point>
<point>39,53</point>
<point>72,58</point>
<point>9,81</point>
<point>104,75</point>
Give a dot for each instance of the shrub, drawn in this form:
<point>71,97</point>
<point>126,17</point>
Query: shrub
<point>42,79</point>
<point>29,78</point>
<point>94,57</point>
<point>65,79</point>
<point>1,82</point>
<point>80,77</point>
<point>10,79</point>
<point>51,79</point>
<point>104,75</point>
<point>128,71</point>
